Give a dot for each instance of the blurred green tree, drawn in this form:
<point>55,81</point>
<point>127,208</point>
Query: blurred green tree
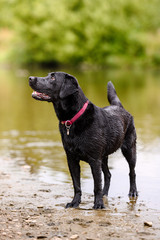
<point>99,32</point>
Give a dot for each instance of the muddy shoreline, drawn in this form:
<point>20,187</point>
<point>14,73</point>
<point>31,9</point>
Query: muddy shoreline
<point>32,209</point>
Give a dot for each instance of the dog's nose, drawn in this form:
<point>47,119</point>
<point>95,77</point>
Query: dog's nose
<point>32,79</point>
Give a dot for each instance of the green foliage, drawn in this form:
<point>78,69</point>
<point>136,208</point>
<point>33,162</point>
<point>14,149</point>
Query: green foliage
<point>99,32</point>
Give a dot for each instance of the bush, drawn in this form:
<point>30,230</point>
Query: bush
<point>82,31</point>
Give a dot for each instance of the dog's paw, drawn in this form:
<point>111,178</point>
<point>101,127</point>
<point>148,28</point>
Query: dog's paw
<point>133,194</point>
<point>72,205</point>
<point>99,205</point>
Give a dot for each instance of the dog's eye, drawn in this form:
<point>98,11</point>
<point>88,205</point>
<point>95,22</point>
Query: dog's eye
<point>53,78</point>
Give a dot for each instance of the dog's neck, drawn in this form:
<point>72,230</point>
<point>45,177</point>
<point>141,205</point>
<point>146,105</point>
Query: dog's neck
<point>66,108</point>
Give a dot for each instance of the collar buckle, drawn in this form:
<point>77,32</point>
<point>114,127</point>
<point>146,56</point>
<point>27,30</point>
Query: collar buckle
<point>68,124</point>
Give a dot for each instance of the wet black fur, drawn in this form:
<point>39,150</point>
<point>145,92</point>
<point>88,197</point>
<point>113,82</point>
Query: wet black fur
<point>96,134</point>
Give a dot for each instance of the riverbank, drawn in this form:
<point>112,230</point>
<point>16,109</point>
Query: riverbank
<point>32,209</point>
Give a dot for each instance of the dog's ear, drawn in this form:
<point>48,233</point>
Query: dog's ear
<point>69,86</point>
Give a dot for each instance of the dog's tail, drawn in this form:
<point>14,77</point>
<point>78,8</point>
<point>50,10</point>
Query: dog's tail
<point>112,95</point>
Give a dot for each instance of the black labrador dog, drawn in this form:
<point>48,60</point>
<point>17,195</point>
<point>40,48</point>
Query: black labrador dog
<point>88,132</point>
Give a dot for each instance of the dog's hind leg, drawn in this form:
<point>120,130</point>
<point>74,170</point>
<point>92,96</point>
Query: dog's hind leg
<point>129,151</point>
<point>107,176</point>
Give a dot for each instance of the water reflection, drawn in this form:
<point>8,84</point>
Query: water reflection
<point>29,129</point>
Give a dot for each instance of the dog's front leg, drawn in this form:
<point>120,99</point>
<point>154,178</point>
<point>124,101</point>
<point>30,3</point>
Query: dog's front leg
<point>98,194</point>
<point>74,168</point>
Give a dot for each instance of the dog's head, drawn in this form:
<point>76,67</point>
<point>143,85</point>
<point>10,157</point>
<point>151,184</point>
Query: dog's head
<point>54,86</point>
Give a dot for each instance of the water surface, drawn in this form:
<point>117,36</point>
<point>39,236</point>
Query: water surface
<point>29,133</point>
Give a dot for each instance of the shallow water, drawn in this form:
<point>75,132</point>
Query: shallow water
<point>29,129</point>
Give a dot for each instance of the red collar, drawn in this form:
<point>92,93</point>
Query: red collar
<point>68,123</point>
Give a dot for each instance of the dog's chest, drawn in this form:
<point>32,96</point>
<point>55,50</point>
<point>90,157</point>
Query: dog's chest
<point>73,144</point>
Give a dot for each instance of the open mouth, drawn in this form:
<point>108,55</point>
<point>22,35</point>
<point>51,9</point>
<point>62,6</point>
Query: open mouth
<point>40,96</point>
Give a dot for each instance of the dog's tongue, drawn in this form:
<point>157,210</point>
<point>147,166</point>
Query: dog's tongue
<point>40,95</point>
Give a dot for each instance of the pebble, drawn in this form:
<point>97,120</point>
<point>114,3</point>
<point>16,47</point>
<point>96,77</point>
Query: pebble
<point>75,236</point>
<point>137,215</point>
<point>32,224</point>
<point>31,221</point>
<point>148,224</point>
<point>41,237</point>
<point>15,220</point>
<point>40,206</point>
